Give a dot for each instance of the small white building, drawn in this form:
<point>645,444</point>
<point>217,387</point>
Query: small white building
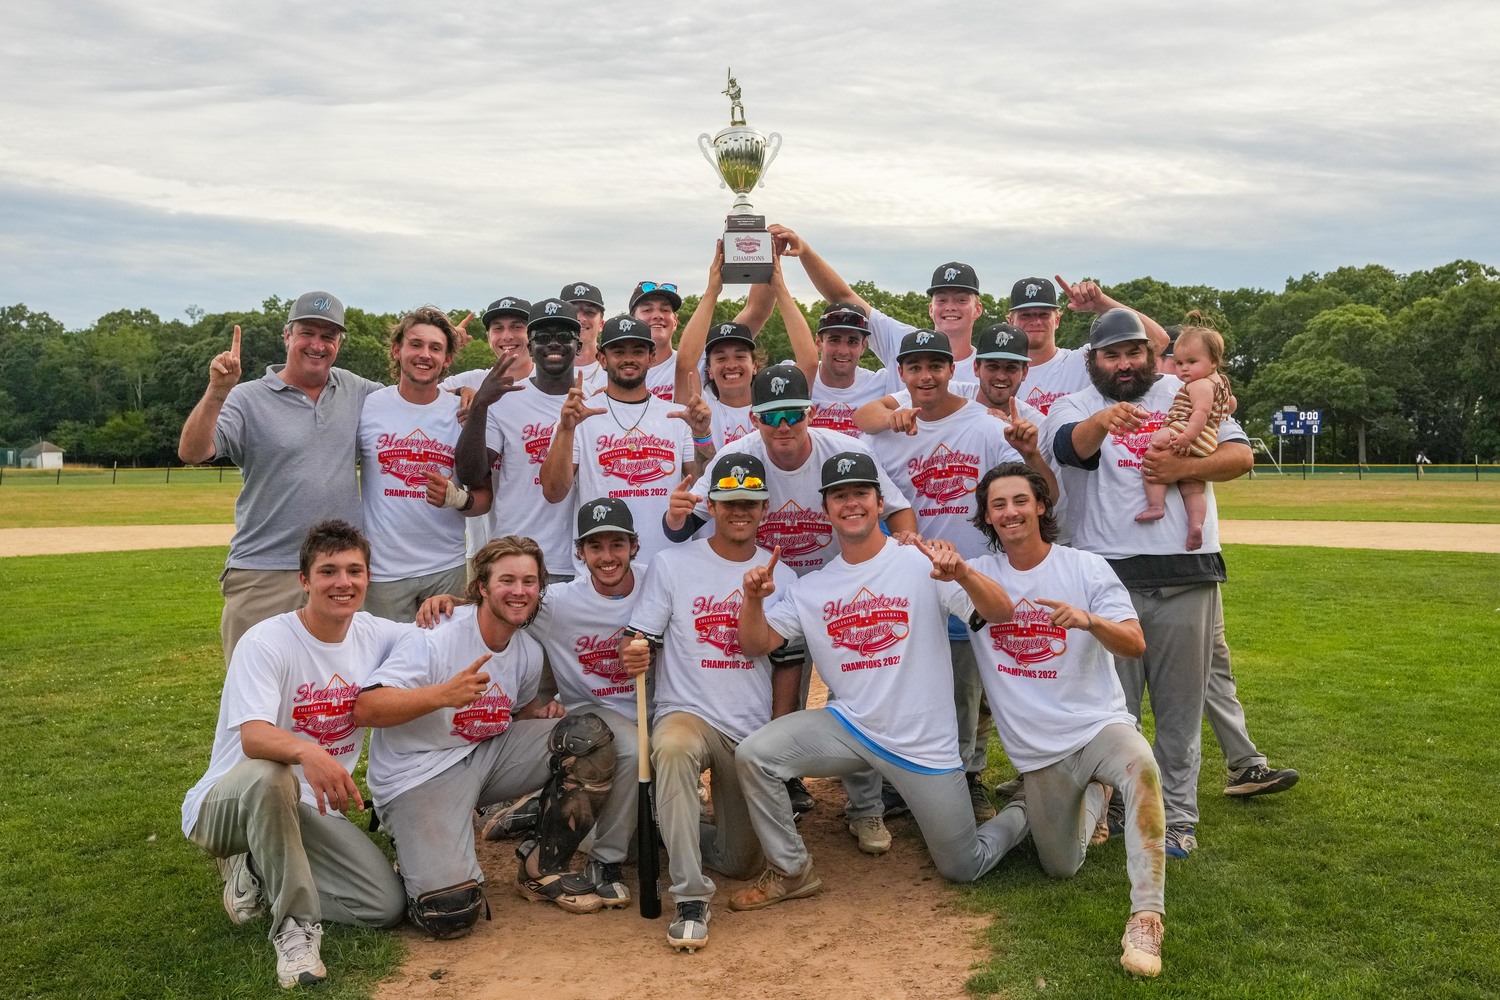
<point>42,455</point>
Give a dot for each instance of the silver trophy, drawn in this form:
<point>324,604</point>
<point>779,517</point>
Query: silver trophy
<point>741,155</point>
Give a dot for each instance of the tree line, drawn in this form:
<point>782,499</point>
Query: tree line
<point>1395,362</point>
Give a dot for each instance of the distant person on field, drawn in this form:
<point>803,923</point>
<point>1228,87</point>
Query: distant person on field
<point>270,807</point>
<point>1192,428</point>
<point>293,432</point>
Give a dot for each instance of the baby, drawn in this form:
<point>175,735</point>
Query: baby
<point>1192,426</point>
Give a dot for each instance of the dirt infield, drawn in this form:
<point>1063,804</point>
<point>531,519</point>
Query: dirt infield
<point>1418,536</point>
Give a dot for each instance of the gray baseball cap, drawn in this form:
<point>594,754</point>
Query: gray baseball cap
<point>1116,326</point>
<point>737,476</point>
<point>317,305</point>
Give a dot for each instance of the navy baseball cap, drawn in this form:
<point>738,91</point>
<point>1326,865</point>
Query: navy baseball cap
<point>622,328</point>
<point>1002,342</point>
<point>954,275</point>
<point>604,514</point>
<point>508,306</point>
<point>924,342</point>
<point>737,476</point>
<point>849,467</point>
<point>1173,332</point>
<point>779,387</point>
<point>1033,293</point>
<point>1116,326</point>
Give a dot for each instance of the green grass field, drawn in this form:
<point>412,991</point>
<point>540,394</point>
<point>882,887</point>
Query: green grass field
<point>1373,674</point>
<point>110,691</point>
<point>1269,497</point>
<point>195,497</point>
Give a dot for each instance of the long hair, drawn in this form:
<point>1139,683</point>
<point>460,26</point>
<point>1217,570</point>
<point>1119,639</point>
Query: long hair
<point>1046,520</point>
<point>492,552</point>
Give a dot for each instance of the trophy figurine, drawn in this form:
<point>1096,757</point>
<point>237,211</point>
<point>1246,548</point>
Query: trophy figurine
<point>741,155</point>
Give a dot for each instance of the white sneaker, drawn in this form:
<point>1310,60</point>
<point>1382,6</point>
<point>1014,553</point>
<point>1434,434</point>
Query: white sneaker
<point>297,961</point>
<point>1141,944</point>
<point>689,931</point>
<point>242,896</point>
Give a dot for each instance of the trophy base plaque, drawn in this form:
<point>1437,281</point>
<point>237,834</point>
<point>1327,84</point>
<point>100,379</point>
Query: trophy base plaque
<point>748,257</point>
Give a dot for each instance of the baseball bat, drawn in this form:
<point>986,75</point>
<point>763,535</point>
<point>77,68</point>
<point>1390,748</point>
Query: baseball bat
<point>645,817</point>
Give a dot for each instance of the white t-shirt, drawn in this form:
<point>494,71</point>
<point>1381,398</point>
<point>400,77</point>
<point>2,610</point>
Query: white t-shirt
<point>728,423</point>
<point>398,442</point>
<point>581,630</point>
<point>633,452</point>
<point>833,409</point>
<point>691,603</point>
<point>519,431</point>
<point>886,335</point>
<point>939,466</point>
<point>1102,503</point>
<point>661,378</point>
<point>877,632</point>
<point>1051,380</point>
<point>795,519</point>
<point>282,675</point>
<point>1052,689</point>
<point>404,756</point>
<point>474,376</point>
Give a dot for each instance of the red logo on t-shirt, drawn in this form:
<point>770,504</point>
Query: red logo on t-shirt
<point>600,655</point>
<point>327,713</point>
<point>1042,399</point>
<point>410,458</point>
<point>718,622</point>
<point>636,457</point>
<point>835,417</point>
<point>945,474</point>
<point>1137,441</point>
<point>797,529</point>
<point>536,439</point>
<point>488,716</point>
<point>869,623</point>
<point>1029,637</point>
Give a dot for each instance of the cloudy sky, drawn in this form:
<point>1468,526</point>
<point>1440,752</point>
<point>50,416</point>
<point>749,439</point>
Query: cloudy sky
<point>162,155</point>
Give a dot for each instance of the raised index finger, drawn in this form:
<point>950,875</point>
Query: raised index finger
<point>688,482</point>
<point>463,322</point>
<point>234,345</point>
<point>775,558</point>
<point>1067,288</point>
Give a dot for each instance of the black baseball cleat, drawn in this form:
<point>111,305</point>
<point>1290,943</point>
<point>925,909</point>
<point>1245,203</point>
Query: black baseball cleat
<point>1260,780</point>
<point>802,800</point>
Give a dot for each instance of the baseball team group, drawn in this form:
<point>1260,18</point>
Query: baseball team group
<point>622,552</point>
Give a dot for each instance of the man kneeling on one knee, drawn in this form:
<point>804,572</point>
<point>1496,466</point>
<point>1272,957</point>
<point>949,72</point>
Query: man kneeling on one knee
<point>459,725</point>
<point>1058,703</point>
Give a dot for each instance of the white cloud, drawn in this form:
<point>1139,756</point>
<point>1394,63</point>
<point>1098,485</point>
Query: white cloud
<point>165,153</point>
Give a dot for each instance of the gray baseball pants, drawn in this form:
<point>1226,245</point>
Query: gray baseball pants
<point>683,746</point>
<point>612,833</point>
<point>1064,803</point>
<point>816,744</point>
<point>1178,623</point>
<point>433,823</point>
<point>312,866</point>
<point>1222,703</point>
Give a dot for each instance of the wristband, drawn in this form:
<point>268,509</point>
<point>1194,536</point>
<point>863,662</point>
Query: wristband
<point>703,441</point>
<point>458,498</point>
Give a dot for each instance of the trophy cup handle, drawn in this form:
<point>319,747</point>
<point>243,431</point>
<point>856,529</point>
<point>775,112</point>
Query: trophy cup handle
<point>773,146</point>
<point>705,146</point>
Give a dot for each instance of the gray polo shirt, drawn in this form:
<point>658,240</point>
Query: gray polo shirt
<point>298,461</point>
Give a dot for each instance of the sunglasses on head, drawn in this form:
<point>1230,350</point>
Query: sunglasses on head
<point>651,286</point>
<point>736,483</point>
<point>792,417</point>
